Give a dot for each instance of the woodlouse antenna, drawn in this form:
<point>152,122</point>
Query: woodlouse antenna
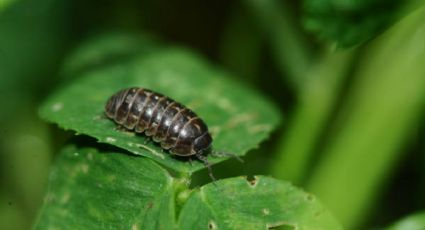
<point>207,164</point>
<point>226,154</point>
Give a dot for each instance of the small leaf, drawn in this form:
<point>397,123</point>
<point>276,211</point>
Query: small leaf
<point>238,118</point>
<point>263,203</point>
<point>89,189</point>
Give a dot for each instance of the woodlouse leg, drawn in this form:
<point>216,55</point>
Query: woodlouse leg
<point>207,164</point>
<point>103,116</point>
<point>147,141</point>
<point>225,154</point>
<point>121,128</point>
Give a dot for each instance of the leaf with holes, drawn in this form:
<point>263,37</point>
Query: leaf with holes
<point>238,117</point>
<point>92,189</point>
<point>98,188</point>
<point>263,203</point>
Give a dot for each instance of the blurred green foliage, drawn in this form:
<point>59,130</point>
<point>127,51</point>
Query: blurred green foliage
<point>33,37</point>
<point>412,222</point>
<point>382,86</point>
<point>354,134</point>
<point>348,23</point>
<point>5,3</point>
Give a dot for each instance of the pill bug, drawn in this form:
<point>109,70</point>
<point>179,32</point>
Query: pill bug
<point>176,127</point>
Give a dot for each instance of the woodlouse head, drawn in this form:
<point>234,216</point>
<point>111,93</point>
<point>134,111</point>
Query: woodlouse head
<point>202,143</point>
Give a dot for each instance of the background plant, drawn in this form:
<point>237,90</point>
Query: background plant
<point>347,75</point>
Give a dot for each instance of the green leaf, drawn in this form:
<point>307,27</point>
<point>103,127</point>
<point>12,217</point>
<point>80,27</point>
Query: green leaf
<point>263,203</point>
<point>238,117</point>
<point>104,189</point>
<point>90,189</point>
<point>348,23</point>
<point>412,222</point>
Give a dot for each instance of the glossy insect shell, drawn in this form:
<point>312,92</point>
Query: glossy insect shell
<point>168,122</point>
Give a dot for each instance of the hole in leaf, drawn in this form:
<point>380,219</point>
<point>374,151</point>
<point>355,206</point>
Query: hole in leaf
<point>212,225</point>
<point>150,205</point>
<point>134,227</point>
<point>309,197</point>
<point>317,214</point>
<point>252,180</point>
<point>281,226</point>
<point>265,211</point>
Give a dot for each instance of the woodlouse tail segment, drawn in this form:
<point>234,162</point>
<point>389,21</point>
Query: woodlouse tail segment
<point>110,107</point>
<point>113,103</point>
<point>226,154</point>
<point>207,164</point>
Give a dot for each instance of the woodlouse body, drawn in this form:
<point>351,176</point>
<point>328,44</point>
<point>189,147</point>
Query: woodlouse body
<point>168,122</point>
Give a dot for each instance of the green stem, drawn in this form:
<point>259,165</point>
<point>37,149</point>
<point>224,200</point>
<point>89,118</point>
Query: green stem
<point>317,99</point>
<point>379,115</point>
<point>290,51</point>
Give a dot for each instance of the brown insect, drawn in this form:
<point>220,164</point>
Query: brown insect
<point>177,128</point>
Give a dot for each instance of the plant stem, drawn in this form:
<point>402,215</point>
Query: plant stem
<point>382,109</point>
<point>290,50</point>
<point>316,101</point>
